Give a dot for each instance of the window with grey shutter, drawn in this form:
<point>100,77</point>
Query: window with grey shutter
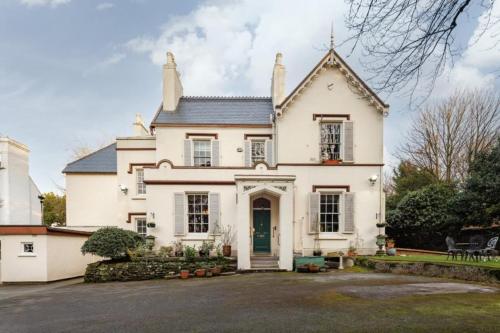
<point>348,142</point>
<point>214,213</point>
<point>248,153</point>
<point>314,198</point>
<point>269,152</point>
<point>215,153</point>
<point>179,214</point>
<point>187,152</point>
<point>348,212</point>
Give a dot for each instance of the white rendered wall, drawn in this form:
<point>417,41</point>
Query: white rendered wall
<point>19,267</point>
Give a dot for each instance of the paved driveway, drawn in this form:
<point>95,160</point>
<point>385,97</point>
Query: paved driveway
<point>279,302</point>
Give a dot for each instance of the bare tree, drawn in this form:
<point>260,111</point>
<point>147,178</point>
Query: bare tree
<point>82,148</point>
<point>406,41</point>
<point>446,137</point>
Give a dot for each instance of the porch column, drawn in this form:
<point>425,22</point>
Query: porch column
<point>243,230</point>
<point>286,230</point>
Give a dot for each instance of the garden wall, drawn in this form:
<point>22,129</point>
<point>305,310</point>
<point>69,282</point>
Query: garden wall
<point>148,268</point>
<point>462,272</point>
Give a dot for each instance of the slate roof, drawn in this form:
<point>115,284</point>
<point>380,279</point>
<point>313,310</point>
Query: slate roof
<point>100,161</point>
<point>218,110</point>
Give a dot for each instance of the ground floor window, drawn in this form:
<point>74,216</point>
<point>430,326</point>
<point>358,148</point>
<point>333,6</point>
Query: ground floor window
<point>28,247</point>
<point>329,212</point>
<point>140,226</point>
<point>198,212</point>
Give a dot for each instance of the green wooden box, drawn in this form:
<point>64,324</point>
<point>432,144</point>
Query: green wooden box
<point>299,261</point>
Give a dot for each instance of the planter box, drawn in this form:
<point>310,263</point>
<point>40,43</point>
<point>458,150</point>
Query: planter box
<point>301,261</point>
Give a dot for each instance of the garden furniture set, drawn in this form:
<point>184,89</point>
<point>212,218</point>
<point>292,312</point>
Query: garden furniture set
<point>471,250</point>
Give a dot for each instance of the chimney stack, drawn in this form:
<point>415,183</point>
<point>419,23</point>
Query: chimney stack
<point>172,86</point>
<point>278,81</point>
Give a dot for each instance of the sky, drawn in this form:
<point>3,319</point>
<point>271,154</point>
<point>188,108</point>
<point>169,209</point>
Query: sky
<point>75,72</point>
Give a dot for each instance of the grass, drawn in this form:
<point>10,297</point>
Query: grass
<point>440,259</point>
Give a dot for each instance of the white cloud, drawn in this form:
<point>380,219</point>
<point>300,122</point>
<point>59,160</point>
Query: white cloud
<point>108,62</point>
<point>104,6</point>
<point>227,47</point>
<point>52,3</point>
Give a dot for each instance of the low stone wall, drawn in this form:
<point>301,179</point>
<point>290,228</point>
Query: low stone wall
<point>148,268</point>
<point>462,272</point>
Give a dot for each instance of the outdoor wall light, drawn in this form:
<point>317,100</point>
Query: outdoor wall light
<point>124,189</point>
<point>373,179</point>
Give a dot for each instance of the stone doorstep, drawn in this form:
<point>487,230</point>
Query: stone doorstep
<point>193,276</point>
<point>262,270</point>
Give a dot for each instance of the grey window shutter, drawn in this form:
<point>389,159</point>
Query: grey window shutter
<point>248,153</point>
<point>314,198</point>
<point>215,153</point>
<point>269,152</point>
<point>179,213</point>
<point>348,142</point>
<point>214,213</point>
<point>187,152</point>
<point>348,212</point>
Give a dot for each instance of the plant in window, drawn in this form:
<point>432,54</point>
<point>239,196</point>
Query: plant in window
<point>112,242</point>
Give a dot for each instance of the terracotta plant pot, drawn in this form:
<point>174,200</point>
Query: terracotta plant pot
<point>184,274</point>
<point>200,272</point>
<point>313,268</point>
<point>351,253</point>
<point>216,270</point>
<point>332,162</point>
<point>226,250</point>
<point>390,245</point>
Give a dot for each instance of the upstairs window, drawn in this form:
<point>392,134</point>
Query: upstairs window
<point>331,136</point>
<point>202,156</point>
<point>197,213</point>
<point>258,151</point>
<point>141,187</point>
<point>329,215</point>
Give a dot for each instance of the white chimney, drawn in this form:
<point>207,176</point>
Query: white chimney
<point>172,86</point>
<point>278,81</point>
<point>139,128</point>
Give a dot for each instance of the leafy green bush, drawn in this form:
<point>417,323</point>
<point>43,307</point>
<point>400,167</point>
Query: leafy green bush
<point>189,253</point>
<point>111,242</point>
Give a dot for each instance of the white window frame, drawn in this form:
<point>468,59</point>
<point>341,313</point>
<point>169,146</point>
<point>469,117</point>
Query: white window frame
<point>340,212</point>
<point>263,142</point>
<point>342,139</point>
<point>23,249</point>
<point>187,213</point>
<point>193,157</point>
<point>141,219</point>
<point>139,182</point>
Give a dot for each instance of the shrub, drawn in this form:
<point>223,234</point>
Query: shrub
<point>189,253</point>
<point>111,242</point>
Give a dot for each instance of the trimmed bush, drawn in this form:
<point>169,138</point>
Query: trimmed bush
<point>111,242</point>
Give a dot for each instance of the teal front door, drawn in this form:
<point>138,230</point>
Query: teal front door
<point>262,231</point>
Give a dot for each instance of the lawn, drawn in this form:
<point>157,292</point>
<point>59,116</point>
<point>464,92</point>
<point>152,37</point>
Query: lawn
<point>441,259</point>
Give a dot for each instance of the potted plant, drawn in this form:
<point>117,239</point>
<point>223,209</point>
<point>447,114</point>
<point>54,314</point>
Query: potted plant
<point>313,268</point>
<point>189,253</point>
<point>150,241</point>
<point>227,239</point>
<point>200,272</point>
<point>178,248</point>
<point>216,270</point>
<point>151,224</point>
<point>205,249</point>
<point>184,274</point>
<point>317,252</point>
<point>351,252</point>
<point>380,243</point>
<point>389,243</point>
<point>381,225</point>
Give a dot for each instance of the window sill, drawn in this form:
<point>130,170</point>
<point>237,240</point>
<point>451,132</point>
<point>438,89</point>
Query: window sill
<point>331,237</point>
<point>139,197</point>
<point>27,255</point>
<point>197,237</point>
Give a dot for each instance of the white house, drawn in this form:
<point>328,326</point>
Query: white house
<point>290,172</point>
<point>19,202</point>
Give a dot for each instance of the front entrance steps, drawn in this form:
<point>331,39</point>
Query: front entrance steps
<point>264,263</point>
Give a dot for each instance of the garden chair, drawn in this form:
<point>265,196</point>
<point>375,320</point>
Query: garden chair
<point>452,249</point>
<point>474,251</point>
<point>490,249</point>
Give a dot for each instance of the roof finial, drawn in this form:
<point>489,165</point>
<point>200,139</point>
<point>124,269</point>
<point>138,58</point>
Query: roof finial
<point>332,44</point>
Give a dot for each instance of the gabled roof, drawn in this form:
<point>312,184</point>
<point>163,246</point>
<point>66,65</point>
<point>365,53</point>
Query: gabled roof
<point>219,111</point>
<point>333,59</point>
<point>100,161</point>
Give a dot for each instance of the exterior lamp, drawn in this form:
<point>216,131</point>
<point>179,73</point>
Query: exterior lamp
<point>373,179</point>
<point>124,189</point>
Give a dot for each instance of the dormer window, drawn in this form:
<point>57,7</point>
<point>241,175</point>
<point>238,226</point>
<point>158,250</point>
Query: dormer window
<point>202,156</point>
<point>331,141</point>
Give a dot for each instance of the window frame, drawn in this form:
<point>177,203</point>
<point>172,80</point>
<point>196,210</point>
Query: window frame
<point>194,157</point>
<point>340,212</point>
<point>340,143</point>
<point>263,142</point>
<point>201,214</point>
<point>136,222</point>
<point>140,186</point>
<point>23,249</point>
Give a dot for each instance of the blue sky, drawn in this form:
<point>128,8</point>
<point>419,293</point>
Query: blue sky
<point>75,72</point>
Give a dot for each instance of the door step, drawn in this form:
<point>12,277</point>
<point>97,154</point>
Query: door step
<point>264,262</point>
<point>262,270</point>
